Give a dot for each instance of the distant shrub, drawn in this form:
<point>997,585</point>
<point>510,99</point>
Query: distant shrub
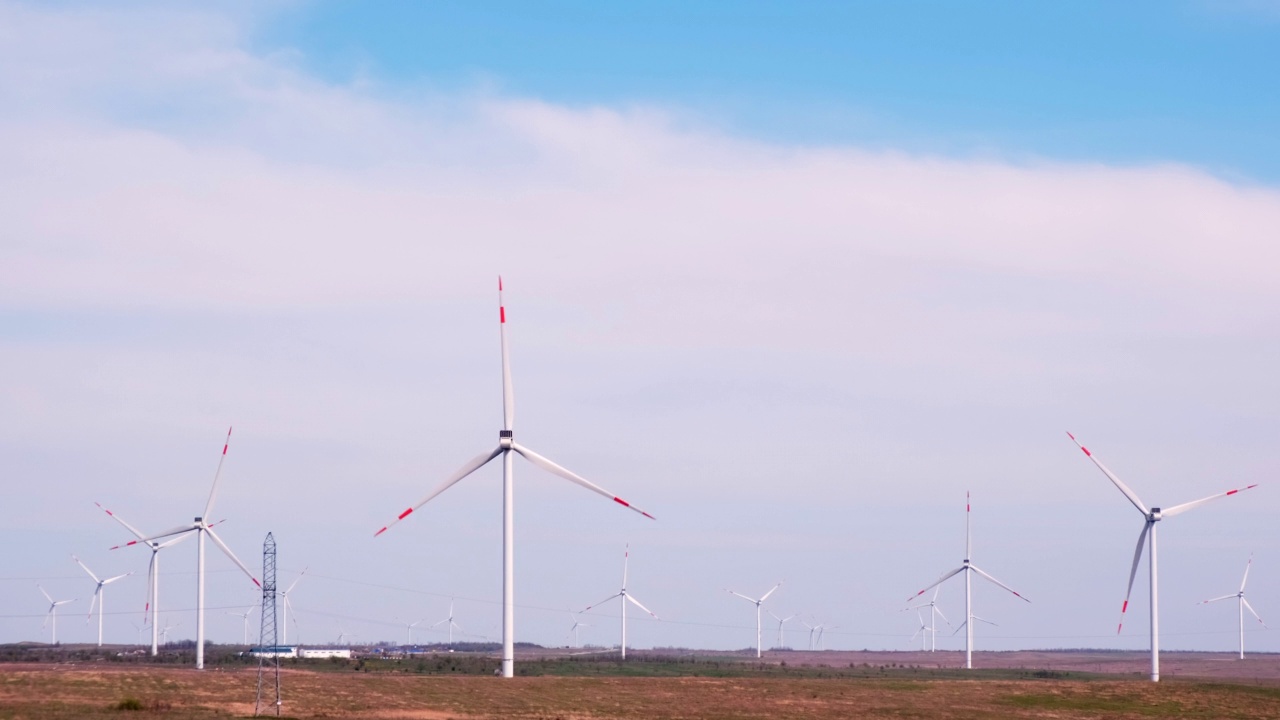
<point>130,704</point>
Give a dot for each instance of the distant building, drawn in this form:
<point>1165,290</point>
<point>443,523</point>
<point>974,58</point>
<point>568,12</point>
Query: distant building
<point>312,653</point>
<point>276,651</point>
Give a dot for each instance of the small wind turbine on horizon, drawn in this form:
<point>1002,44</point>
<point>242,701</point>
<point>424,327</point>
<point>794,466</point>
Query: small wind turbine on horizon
<point>164,631</point>
<point>812,629</point>
<point>288,605</point>
<point>245,616</point>
<point>153,573</point>
<point>408,631</point>
<point>52,614</point>
<point>781,621</point>
<point>626,597</point>
<point>1242,604</point>
<point>934,613</point>
<point>1151,516</point>
<point>922,631</point>
<point>99,594</point>
<point>968,568</point>
<point>451,623</point>
<point>201,527</point>
<point>506,447</point>
<point>573,630</point>
<point>757,603</point>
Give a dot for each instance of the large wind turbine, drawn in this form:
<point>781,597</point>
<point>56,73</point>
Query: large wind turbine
<point>626,597</point>
<point>1151,516</point>
<point>757,603</point>
<point>506,446</point>
<point>52,615</point>
<point>99,595</point>
<point>968,568</point>
<point>153,574</point>
<point>201,527</point>
<point>284,597</point>
<point>1243,604</point>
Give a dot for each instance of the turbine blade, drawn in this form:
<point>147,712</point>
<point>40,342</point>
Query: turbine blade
<point>1179,509</point>
<point>295,580</point>
<point>108,581</point>
<point>86,569</point>
<point>151,574</point>
<point>1133,497</point>
<point>136,532</point>
<point>555,469</point>
<point>626,558</point>
<point>1246,572</point>
<point>508,394</point>
<point>1224,597</point>
<point>992,579</point>
<point>213,493</point>
<point>176,540</point>
<point>171,531</point>
<point>93,603</point>
<point>42,592</point>
<point>226,550</point>
<point>472,465</point>
<point>637,604</point>
<point>957,630</point>
<point>1137,556</point>
<point>1255,613</point>
<point>602,601</point>
<point>944,617</point>
<point>744,597</point>
<point>766,595</point>
<point>975,617</point>
<point>938,582</point>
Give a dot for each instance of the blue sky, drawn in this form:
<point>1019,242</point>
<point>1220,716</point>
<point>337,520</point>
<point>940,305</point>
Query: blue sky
<point>794,281</point>
<point>1132,82</point>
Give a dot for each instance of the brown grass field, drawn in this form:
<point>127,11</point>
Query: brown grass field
<point>826,685</point>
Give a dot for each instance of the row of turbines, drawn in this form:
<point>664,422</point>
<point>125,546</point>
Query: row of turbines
<point>507,448</point>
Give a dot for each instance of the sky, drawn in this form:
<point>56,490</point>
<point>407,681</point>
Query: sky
<point>794,278</point>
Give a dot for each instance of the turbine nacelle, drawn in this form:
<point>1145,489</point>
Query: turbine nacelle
<point>1154,515</point>
<point>505,439</point>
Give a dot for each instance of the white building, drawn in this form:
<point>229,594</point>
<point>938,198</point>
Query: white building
<point>311,653</point>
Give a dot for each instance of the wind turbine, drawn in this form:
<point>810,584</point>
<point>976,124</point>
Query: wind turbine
<point>934,614</point>
<point>164,631</point>
<point>626,597</point>
<point>99,595</point>
<point>1151,516</point>
<point>757,603</point>
<point>577,625</point>
<point>821,629</point>
<point>450,621</point>
<point>1243,604</point>
<point>506,446</point>
<point>812,629</point>
<point>245,616</point>
<point>781,622</point>
<point>408,632</point>
<point>922,631</point>
<point>968,568</point>
<point>52,615</point>
<point>284,596</point>
<point>153,573</point>
<point>201,527</point>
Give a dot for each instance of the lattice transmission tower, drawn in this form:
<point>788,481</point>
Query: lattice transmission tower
<point>268,649</point>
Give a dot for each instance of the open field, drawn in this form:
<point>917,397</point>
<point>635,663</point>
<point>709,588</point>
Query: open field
<point>897,687</point>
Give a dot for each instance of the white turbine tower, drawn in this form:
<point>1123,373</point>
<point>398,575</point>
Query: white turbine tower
<point>99,595</point>
<point>284,597</point>
<point>812,629</point>
<point>757,603</point>
<point>201,527</point>
<point>626,597</point>
<point>573,630</point>
<point>968,568</point>
<point>507,446</point>
<point>934,614</point>
<point>52,614</point>
<point>451,623</point>
<point>781,621</point>
<point>153,573</point>
<point>1151,516</point>
<point>1242,603</point>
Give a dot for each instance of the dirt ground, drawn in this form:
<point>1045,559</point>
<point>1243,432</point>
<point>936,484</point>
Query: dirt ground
<point>1236,689</point>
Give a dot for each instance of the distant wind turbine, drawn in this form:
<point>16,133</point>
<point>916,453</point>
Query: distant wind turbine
<point>934,614</point>
<point>1151,517</point>
<point>245,616</point>
<point>408,631</point>
<point>451,624</point>
<point>99,595</point>
<point>626,598</point>
<point>968,568</point>
<point>506,446</point>
<point>201,527</point>
<point>573,630</point>
<point>1242,604</point>
<point>781,621</point>
<point>51,617</point>
<point>757,603</point>
<point>284,596</point>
